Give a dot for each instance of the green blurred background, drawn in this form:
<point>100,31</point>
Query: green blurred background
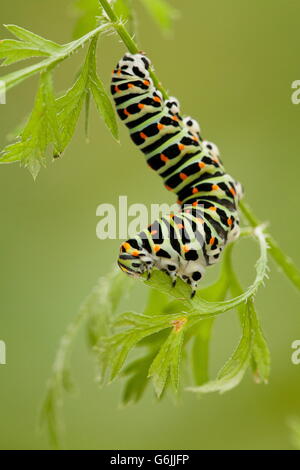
<point>231,64</point>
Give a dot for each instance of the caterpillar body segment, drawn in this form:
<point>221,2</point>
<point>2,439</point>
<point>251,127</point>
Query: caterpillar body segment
<point>185,243</point>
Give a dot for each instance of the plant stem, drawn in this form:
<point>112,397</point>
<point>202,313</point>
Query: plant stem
<point>128,41</point>
<point>287,265</point>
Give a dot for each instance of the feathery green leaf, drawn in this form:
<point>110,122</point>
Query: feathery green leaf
<point>40,132</point>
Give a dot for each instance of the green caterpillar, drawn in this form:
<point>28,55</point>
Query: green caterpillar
<point>180,244</point>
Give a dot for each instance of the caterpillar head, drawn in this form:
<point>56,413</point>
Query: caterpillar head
<point>133,260</point>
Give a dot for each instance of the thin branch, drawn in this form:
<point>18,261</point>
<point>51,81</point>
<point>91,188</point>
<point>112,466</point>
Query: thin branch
<point>129,41</point>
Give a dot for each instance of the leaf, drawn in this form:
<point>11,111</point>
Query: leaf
<point>137,371</point>
<point>102,100</point>
<point>69,105</point>
<point>167,362</point>
<point>29,45</point>
<point>40,131</point>
<point>115,349</point>
<point>202,333</point>
<point>102,303</point>
<point>38,41</point>
<point>162,13</point>
<point>260,354</point>
<point>261,357</point>
<point>63,52</point>
<point>200,351</point>
<point>233,371</point>
<point>87,115</point>
<point>157,301</point>
<point>97,309</point>
<point>137,374</point>
<point>199,307</point>
<point>294,424</point>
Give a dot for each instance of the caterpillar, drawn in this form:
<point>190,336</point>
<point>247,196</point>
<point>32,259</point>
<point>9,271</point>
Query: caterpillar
<point>180,244</point>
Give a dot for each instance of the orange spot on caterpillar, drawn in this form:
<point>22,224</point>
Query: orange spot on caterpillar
<point>127,113</point>
<point>156,248</point>
<point>143,136</point>
<point>117,89</point>
<point>130,85</point>
<point>212,208</point>
<point>185,248</point>
<point>215,187</point>
<point>126,246</point>
<point>175,118</point>
<point>233,192</point>
<point>195,204</point>
<point>119,72</point>
<point>212,241</point>
<point>201,165</point>
<point>146,82</point>
<point>157,99</point>
<point>229,221</point>
<point>216,160</point>
<point>153,232</point>
<point>164,158</point>
<point>181,147</point>
<point>195,190</point>
<point>141,106</point>
<point>183,176</point>
<point>179,202</point>
<point>160,126</point>
<point>135,253</point>
<point>180,226</point>
<point>195,139</point>
<point>168,188</point>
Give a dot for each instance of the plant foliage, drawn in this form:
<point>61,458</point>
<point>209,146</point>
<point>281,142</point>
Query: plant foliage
<point>172,335</point>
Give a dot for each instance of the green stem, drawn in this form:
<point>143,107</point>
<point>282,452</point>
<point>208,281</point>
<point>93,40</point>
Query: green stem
<point>128,41</point>
<point>287,265</point>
